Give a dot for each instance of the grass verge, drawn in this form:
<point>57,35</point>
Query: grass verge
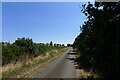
<point>28,71</point>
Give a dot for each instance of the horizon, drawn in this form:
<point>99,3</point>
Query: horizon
<point>36,42</point>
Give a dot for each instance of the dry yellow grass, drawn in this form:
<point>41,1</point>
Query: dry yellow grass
<point>12,67</point>
<point>82,73</point>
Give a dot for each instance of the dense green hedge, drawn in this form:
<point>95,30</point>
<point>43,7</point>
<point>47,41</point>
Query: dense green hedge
<point>22,48</point>
<point>99,41</point>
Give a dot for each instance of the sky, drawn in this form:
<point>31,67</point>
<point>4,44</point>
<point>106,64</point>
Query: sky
<point>42,21</point>
<point>48,0</point>
<point>0,21</point>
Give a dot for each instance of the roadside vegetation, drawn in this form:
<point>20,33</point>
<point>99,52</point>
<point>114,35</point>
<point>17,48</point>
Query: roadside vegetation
<point>24,55</point>
<point>30,67</point>
<point>25,48</point>
<point>99,42</point>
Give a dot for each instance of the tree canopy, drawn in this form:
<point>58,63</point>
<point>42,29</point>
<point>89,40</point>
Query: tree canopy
<point>99,42</point>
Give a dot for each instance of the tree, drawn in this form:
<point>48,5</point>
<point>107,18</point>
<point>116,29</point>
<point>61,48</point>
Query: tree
<point>27,44</point>
<point>69,45</point>
<point>55,44</point>
<point>63,45</point>
<point>51,43</point>
<point>98,43</point>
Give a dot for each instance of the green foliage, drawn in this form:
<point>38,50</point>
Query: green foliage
<point>22,48</point>
<point>69,45</point>
<point>51,43</point>
<point>99,41</point>
<point>26,43</point>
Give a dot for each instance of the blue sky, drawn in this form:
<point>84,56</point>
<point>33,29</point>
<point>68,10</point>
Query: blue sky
<point>42,21</point>
<point>0,21</point>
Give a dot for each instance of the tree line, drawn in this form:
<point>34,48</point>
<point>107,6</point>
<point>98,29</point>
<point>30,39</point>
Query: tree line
<point>23,47</point>
<point>99,42</point>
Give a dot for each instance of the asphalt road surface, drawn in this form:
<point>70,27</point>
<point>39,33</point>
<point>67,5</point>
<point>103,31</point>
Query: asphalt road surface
<point>62,67</point>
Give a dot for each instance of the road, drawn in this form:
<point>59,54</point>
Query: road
<point>63,67</point>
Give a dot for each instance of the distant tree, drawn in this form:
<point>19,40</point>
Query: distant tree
<point>51,43</point>
<point>70,45</point>
<point>55,44</point>
<point>43,44</point>
<point>63,45</point>
<point>40,43</point>
<point>60,45</point>
<point>47,44</point>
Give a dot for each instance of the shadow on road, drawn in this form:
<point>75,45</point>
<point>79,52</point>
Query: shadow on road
<point>72,53</point>
<point>73,59</point>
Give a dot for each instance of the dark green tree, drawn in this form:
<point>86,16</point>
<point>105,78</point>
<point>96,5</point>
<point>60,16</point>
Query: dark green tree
<point>26,43</point>
<point>51,43</point>
<point>99,41</point>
